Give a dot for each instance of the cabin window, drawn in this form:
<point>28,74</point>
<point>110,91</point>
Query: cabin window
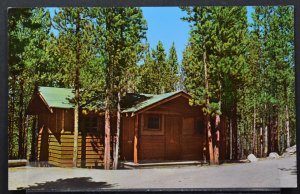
<point>91,124</point>
<point>152,122</point>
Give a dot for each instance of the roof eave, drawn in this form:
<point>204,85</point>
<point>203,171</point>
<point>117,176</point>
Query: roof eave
<point>176,95</point>
<point>45,102</point>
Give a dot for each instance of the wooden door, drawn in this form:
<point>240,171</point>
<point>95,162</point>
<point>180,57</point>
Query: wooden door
<point>128,135</point>
<point>172,127</point>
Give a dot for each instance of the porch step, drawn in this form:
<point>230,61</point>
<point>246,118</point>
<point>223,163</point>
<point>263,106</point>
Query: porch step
<point>158,164</point>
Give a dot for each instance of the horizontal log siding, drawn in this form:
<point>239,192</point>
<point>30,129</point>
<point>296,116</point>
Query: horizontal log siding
<point>60,152</point>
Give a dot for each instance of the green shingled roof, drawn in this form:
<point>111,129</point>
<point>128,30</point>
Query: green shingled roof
<point>57,97</point>
<point>60,98</point>
<point>152,100</point>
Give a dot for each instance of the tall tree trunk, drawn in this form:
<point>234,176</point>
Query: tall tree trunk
<point>25,145</point>
<point>234,132</point>
<point>34,129</point>
<point>77,87</point>
<point>261,139</point>
<point>276,119</point>
<point>287,126</point>
<point>107,136</point>
<point>287,120</point>
<point>21,121</point>
<point>230,138</point>
<point>254,143</point>
<point>117,140</point>
<point>217,144</point>
<point>208,124</point>
<point>11,118</point>
<point>266,143</point>
<point>76,127</point>
<point>273,129</point>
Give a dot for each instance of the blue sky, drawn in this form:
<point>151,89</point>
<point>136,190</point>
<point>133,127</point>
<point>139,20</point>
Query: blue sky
<point>165,24</point>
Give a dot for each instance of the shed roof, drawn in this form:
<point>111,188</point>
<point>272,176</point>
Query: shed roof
<point>57,97</point>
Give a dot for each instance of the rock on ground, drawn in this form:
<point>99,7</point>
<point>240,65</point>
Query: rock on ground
<point>285,154</point>
<point>252,158</point>
<point>291,150</point>
<point>273,155</point>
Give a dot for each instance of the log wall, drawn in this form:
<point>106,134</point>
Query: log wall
<point>55,140</point>
<point>90,150</point>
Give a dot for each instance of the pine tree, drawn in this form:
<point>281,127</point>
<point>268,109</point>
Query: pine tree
<point>271,64</point>
<point>159,73</point>
<point>147,80</point>
<point>221,33</point>
<point>172,70</point>
<point>76,37</point>
<point>159,65</point>
<point>28,34</point>
<point>199,41</point>
<point>121,32</point>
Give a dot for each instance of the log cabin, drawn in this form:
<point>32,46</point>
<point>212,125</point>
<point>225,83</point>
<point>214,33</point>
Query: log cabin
<point>162,127</point>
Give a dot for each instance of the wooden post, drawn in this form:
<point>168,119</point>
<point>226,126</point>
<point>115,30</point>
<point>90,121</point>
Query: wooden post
<point>63,122</point>
<point>135,151</point>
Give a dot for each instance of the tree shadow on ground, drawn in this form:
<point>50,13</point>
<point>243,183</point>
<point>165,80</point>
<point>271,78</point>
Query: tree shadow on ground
<point>293,170</point>
<point>69,184</point>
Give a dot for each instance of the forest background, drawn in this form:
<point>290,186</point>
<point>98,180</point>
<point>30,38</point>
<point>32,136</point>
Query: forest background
<point>239,69</point>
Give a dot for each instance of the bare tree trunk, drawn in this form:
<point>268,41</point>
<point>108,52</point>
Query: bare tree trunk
<point>287,126</point>
<point>26,147</point>
<point>287,120</point>
<point>107,137</point>
<point>234,132</point>
<point>273,130</point>
<point>76,126</point>
<point>261,139</point>
<point>217,144</point>
<point>11,117</point>
<point>208,124</point>
<point>266,143</point>
<point>230,138</point>
<point>21,121</point>
<point>242,143</point>
<point>77,95</point>
<point>34,130</point>
<point>117,140</point>
<point>254,143</point>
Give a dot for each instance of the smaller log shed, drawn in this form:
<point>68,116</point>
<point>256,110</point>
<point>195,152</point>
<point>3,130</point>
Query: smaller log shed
<point>55,115</point>
<point>153,128</point>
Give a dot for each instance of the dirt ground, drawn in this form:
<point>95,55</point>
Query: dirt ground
<point>268,173</point>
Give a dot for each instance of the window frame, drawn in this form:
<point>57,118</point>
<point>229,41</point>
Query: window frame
<point>95,127</point>
<point>147,119</point>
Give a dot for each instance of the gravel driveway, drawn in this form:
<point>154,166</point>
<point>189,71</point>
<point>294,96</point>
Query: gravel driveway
<point>275,173</point>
